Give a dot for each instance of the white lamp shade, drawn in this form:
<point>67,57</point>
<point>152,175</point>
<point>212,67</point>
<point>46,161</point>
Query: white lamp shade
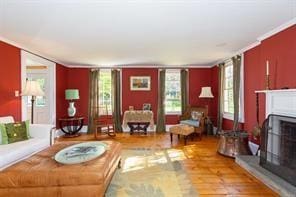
<point>32,88</point>
<point>206,92</point>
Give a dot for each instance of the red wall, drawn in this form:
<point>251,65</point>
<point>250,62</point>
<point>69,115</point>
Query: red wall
<point>78,78</point>
<point>72,78</point>
<point>280,50</point>
<point>198,77</point>
<point>213,108</point>
<point>10,80</point>
<point>137,98</point>
<point>61,86</point>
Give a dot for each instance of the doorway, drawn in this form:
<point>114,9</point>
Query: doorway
<point>43,71</point>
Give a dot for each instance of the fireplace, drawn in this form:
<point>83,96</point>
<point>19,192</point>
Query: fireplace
<point>278,151</point>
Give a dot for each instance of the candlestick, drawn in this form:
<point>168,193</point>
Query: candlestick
<point>267,67</point>
<point>267,82</point>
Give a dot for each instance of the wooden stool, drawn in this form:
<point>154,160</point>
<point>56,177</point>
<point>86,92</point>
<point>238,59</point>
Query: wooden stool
<point>180,129</point>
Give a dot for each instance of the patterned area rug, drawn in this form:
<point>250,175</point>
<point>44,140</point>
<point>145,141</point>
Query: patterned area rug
<point>151,173</point>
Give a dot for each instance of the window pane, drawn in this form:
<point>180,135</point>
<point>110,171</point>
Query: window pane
<point>228,88</point>
<point>172,92</point>
<point>105,93</point>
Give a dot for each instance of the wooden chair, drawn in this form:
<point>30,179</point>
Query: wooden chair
<point>104,124</point>
<point>202,120</point>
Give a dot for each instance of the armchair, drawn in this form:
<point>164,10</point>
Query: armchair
<point>199,124</point>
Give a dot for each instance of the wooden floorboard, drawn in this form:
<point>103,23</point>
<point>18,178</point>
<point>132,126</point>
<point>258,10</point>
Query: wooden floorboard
<point>211,173</point>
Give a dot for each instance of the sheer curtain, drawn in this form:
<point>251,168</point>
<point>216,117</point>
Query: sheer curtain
<point>161,98</point>
<point>220,97</point>
<point>236,61</point>
<point>184,90</point>
<point>93,98</point>
<point>116,99</point>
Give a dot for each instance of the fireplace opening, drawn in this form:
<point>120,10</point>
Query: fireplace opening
<point>278,151</point>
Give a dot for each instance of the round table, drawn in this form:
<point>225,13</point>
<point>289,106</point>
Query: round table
<point>71,125</point>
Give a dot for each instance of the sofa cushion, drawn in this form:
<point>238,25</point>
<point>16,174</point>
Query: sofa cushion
<point>16,131</point>
<point>6,119</point>
<point>194,123</point>
<point>3,135</point>
<point>11,153</point>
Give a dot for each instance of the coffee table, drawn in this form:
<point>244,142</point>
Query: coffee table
<point>41,175</point>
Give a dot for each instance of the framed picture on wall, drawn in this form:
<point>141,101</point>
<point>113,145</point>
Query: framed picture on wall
<point>140,83</point>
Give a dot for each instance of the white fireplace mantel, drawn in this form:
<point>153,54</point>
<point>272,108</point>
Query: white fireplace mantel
<point>280,102</point>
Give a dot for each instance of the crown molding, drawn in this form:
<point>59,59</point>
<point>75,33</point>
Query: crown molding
<point>139,66</point>
<point>37,53</point>
<point>261,38</point>
<point>254,44</point>
<point>277,29</point>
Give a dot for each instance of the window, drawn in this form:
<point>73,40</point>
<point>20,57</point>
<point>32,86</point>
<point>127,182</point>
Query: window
<point>228,91</point>
<point>228,88</point>
<point>172,92</point>
<point>105,92</point>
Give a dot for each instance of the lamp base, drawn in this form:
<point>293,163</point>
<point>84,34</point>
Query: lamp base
<point>71,109</point>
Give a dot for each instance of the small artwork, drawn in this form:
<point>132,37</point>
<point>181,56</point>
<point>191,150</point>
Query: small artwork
<point>146,106</point>
<point>140,83</point>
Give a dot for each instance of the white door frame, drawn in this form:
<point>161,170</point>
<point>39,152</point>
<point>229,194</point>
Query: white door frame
<point>52,83</point>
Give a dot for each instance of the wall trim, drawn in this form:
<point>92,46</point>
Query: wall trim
<point>277,29</point>
<point>140,66</point>
<point>21,47</point>
<point>261,38</point>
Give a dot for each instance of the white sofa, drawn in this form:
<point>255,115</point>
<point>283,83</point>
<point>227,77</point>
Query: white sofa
<point>41,138</point>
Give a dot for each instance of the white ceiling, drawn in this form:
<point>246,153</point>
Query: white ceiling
<point>140,32</point>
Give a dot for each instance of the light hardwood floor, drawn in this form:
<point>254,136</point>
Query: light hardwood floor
<point>211,173</point>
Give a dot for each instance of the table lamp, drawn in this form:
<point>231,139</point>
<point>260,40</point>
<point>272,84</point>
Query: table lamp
<point>206,93</point>
<point>33,89</point>
<point>71,95</point>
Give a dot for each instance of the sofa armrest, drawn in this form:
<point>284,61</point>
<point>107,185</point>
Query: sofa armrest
<point>42,131</point>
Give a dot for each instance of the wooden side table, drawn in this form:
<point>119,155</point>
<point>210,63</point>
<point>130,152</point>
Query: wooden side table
<point>71,125</point>
<point>138,126</point>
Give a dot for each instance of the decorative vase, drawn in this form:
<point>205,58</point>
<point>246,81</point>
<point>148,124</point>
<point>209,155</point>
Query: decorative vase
<point>71,109</point>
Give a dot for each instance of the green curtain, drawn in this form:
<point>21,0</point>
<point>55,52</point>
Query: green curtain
<point>220,97</point>
<point>116,101</point>
<point>184,90</point>
<point>160,107</point>
<point>236,89</point>
<point>93,99</point>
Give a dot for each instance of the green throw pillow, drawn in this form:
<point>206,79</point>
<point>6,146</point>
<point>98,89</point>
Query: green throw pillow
<point>16,132</point>
<point>4,137</point>
<point>28,128</point>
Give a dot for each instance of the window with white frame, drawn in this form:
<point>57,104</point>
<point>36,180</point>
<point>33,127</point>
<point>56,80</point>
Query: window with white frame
<point>172,91</point>
<point>228,88</point>
<point>105,92</point>
<point>228,110</point>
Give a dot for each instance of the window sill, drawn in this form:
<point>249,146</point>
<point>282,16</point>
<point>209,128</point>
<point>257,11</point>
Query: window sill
<point>229,116</point>
<point>173,113</point>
